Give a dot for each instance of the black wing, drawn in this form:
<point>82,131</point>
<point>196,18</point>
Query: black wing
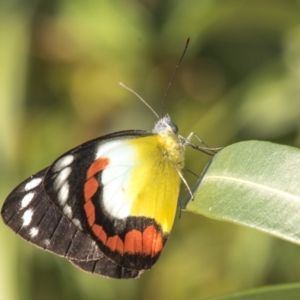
<point>30,213</point>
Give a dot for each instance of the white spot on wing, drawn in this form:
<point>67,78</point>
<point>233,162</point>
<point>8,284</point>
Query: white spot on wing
<point>61,177</point>
<point>67,211</point>
<point>63,194</point>
<point>32,183</point>
<point>46,242</point>
<point>26,200</point>
<point>115,180</point>
<point>27,217</point>
<point>105,149</point>
<point>63,162</point>
<point>113,196</point>
<point>77,223</point>
<point>33,232</point>
<point>115,174</point>
<point>121,210</point>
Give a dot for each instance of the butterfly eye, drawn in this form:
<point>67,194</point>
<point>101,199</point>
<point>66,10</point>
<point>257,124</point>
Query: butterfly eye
<point>169,123</point>
<point>174,128</point>
<point>164,124</point>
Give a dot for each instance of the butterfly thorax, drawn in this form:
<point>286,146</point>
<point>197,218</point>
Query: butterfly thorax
<point>170,145</point>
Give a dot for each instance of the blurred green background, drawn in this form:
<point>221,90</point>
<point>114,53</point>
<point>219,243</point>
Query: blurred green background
<point>60,65</point>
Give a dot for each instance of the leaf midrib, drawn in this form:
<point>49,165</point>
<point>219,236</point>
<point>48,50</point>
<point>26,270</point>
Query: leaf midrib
<point>253,184</point>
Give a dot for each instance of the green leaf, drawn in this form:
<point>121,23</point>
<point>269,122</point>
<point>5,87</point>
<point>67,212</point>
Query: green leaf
<point>256,184</point>
<point>279,292</point>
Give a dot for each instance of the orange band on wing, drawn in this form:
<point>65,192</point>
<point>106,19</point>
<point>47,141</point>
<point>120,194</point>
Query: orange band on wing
<point>149,242</point>
<point>89,209</point>
<point>90,188</point>
<point>99,233</point>
<point>133,242</point>
<point>114,243</point>
<point>97,166</point>
<point>152,241</point>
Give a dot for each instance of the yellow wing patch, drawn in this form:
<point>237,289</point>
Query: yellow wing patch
<point>154,181</point>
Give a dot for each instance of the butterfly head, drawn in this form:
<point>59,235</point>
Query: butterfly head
<point>165,124</point>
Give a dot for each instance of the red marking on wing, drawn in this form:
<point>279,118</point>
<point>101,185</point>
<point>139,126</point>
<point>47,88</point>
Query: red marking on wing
<point>120,246</point>
<point>149,242</point>
<point>97,166</point>
<point>114,243</point>
<point>157,244</point>
<point>152,241</point>
<point>90,188</point>
<point>89,209</point>
<point>133,242</point>
<point>99,233</point>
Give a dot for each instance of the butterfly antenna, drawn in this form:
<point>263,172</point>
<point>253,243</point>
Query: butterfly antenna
<point>174,72</point>
<point>135,93</point>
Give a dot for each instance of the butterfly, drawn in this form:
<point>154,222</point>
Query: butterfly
<point>108,205</point>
